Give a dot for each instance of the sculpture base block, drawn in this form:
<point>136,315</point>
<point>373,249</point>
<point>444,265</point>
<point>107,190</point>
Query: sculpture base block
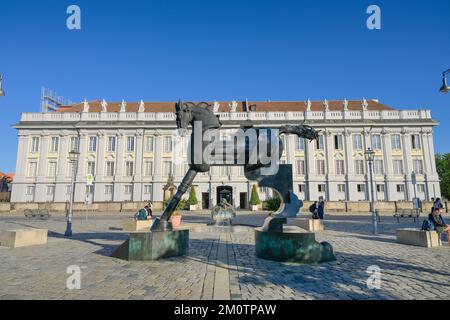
<point>142,246</point>
<point>293,245</point>
<point>136,225</point>
<point>313,225</point>
<point>421,238</point>
<point>23,237</point>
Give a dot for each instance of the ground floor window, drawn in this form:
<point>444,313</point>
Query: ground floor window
<point>128,189</point>
<point>301,188</point>
<point>30,190</point>
<point>109,189</point>
<point>421,188</point>
<point>400,188</point>
<point>321,188</point>
<point>361,187</point>
<point>380,187</point>
<point>341,187</point>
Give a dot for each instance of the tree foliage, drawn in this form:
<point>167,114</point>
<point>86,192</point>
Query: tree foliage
<point>254,198</point>
<point>443,170</point>
<point>192,197</point>
<point>273,203</point>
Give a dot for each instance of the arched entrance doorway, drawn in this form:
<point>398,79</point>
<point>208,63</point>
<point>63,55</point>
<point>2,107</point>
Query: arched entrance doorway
<point>225,192</point>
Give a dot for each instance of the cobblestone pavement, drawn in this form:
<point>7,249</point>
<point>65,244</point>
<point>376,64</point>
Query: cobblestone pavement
<point>221,264</point>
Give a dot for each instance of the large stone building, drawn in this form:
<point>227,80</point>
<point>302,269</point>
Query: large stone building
<point>132,148</point>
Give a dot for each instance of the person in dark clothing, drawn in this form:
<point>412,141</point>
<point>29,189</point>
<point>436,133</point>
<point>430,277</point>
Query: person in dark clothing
<point>313,210</point>
<point>321,209</point>
<point>148,208</point>
<point>141,215</point>
<point>439,223</point>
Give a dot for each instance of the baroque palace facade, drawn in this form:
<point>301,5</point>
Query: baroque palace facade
<point>131,149</point>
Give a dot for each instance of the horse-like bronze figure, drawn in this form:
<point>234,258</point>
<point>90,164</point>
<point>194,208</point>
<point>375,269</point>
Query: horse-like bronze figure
<point>255,148</point>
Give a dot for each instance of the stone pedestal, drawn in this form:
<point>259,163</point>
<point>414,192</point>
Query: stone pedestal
<point>313,225</point>
<point>23,237</point>
<point>154,245</point>
<point>137,225</point>
<point>292,244</point>
<point>419,238</point>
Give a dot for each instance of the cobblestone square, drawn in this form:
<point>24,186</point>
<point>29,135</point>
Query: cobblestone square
<point>221,264</point>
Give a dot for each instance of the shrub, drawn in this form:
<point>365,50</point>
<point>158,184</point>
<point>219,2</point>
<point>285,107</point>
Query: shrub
<point>254,198</point>
<point>273,203</point>
<point>192,197</point>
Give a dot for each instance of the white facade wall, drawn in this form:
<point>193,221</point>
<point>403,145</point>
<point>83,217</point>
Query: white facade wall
<point>329,182</point>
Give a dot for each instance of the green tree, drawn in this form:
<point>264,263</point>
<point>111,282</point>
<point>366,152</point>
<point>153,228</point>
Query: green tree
<point>254,198</point>
<point>443,170</point>
<point>273,203</point>
<point>192,197</point>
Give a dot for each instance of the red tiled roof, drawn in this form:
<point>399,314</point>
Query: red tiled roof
<point>261,106</point>
<point>9,176</point>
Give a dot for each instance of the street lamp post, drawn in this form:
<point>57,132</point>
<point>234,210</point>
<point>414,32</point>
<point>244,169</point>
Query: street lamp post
<point>73,158</point>
<point>445,87</point>
<point>370,155</point>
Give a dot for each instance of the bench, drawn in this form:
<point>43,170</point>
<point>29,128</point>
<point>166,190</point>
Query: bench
<point>23,237</point>
<point>407,214</point>
<point>37,214</point>
<point>416,237</point>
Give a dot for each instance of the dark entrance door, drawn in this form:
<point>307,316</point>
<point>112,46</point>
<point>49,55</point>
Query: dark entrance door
<point>205,200</point>
<point>243,200</point>
<point>225,192</point>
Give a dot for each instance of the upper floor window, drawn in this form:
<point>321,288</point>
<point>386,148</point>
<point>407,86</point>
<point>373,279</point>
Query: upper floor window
<point>359,167</point>
<point>111,144</point>
<point>357,142</point>
<point>300,165</point>
<point>34,146</point>
<point>167,168</point>
<point>418,166</point>
<point>319,143</point>
<point>148,168</point>
<point>149,141</point>
<point>91,167</point>
<point>338,145</point>
<point>73,144</point>
<point>167,144</point>
<point>415,141</point>
<point>92,144</point>
<point>396,143</point>
<point>32,169</point>
<point>130,144</point>
<point>340,169</point>
<point>320,164</point>
<point>51,169</point>
<point>398,166</point>
<point>129,168</point>
<point>300,144</point>
<point>378,167</point>
<point>376,142</point>
<point>54,145</point>
<point>110,170</point>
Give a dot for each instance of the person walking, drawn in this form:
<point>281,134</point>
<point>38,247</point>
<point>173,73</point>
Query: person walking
<point>321,208</point>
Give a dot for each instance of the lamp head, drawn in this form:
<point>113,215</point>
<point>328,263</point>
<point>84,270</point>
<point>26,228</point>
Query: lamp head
<point>445,87</point>
<point>370,154</point>
<point>73,155</point>
<point>2,92</point>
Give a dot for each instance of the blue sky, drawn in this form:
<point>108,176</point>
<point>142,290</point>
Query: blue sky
<point>223,49</point>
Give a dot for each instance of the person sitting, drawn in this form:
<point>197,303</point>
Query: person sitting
<point>149,211</point>
<point>141,215</point>
<point>439,224</point>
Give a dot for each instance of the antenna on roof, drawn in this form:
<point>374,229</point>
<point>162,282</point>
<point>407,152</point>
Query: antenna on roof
<point>50,101</point>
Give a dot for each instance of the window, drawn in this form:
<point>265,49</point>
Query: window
<point>68,189</point>
<point>130,144</point>
<point>378,167</point>
<point>148,168</point>
<point>398,166</point>
<point>32,169</point>
<point>376,142</point>
<point>109,189</point>
<point>320,165</point>
<point>50,190</point>
<point>34,147</point>
<point>359,166</point>
<point>91,167</point>
<point>321,187</point>
<point>341,188</point>
<point>340,170</point>
<point>300,144</point>
<point>400,188</point>
<point>301,188</point>
<point>319,143</point>
<point>421,188</point>
<point>357,142</point>
<point>92,144</point>
<point>54,145</point>
<point>30,191</point>
<point>70,169</point>
<point>338,142</point>
<point>418,166</point>
<point>73,144</point>
<point>415,141</point>
<point>167,144</point>
<point>147,189</point>
<point>51,169</point>
<point>396,143</point>
<point>380,187</point>
<point>167,168</point>
<point>129,168</point>
<point>110,168</point>
<point>111,144</point>
<point>361,187</point>
<point>149,144</point>
<point>128,189</point>
<point>300,166</point>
